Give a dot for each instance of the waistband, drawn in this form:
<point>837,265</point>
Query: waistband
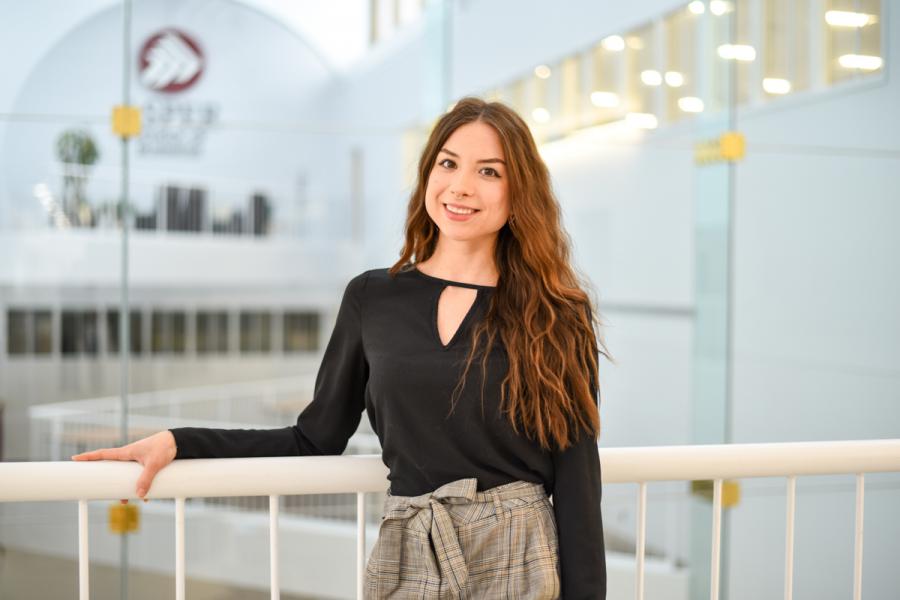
<point>464,491</point>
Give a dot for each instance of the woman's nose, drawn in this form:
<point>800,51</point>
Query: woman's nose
<point>461,185</point>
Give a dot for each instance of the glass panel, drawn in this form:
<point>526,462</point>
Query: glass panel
<point>539,110</point>
<point>786,65</point>
<point>571,94</point>
<point>43,332</point>
<point>607,87</point>
<point>17,341</point>
<point>852,39</point>
<point>643,73</point>
<point>301,332</point>
<point>256,332</point>
<point>680,80</point>
<point>169,332</point>
<point>744,50</point>
<point>79,332</point>
<point>112,331</point>
<point>212,332</point>
<point>161,332</point>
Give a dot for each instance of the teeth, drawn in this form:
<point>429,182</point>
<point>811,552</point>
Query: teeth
<point>459,211</point>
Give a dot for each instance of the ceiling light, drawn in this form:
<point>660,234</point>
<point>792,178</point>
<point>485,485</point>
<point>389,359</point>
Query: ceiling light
<point>674,79</point>
<point>737,52</point>
<point>604,99</point>
<point>542,71</point>
<point>720,7</point>
<point>845,18</point>
<point>613,43</point>
<point>860,61</point>
<point>773,85</point>
<point>690,104</point>
<point>651,77</point>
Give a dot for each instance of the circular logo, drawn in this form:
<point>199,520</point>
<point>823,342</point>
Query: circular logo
<point>170,61</point>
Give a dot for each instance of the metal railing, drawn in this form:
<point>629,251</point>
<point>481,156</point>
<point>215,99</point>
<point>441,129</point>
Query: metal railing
<point>275,477</point>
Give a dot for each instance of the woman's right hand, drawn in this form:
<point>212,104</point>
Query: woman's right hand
<point>154,452</point>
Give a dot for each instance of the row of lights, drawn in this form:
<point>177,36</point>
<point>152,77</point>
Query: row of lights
<point>739,52</point>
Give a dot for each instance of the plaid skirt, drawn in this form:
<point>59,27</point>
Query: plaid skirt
<point>456,542</point>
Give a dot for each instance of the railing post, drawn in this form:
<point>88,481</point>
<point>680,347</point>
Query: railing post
<point>273,547</point>
<point>641,537</point>
<point>716,540</point>
<point>84,562</point>
<point>360,543</point>
<point>789,537</point>
<point>858,550</point>
<point>179,548</point>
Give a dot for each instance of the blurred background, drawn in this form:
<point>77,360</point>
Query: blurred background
<point>728,172</point>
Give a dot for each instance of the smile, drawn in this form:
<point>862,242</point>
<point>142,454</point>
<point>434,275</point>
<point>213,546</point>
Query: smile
<point>460,210</point>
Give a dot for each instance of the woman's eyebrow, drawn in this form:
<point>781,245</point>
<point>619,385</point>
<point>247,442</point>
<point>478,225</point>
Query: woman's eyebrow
<point>484,160</point>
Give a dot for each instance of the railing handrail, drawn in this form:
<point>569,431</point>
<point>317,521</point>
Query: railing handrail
<point>107,480</point>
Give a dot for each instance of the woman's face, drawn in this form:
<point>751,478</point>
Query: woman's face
<point>467,191</point>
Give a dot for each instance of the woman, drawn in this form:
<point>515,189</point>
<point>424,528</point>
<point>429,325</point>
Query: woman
<point>483,279</point>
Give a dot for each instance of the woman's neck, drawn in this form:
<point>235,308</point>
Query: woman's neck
<point>461,261</point>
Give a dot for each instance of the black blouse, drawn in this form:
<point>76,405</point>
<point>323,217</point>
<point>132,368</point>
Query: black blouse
<point>385,357</point>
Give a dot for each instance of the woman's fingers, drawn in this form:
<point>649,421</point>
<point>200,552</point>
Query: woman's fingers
<point>146,478</point>
<point>103,454</point>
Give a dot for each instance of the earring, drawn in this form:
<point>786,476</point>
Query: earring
<point>512,219</point>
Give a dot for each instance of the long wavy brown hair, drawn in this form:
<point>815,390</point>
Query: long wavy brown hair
<point>539,310</point>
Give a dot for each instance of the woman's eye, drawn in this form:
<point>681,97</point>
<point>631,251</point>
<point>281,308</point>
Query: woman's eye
<point>491,172</point>
<point>446,160</point>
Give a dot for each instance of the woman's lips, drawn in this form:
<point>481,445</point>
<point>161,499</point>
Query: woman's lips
<point>457,216</point>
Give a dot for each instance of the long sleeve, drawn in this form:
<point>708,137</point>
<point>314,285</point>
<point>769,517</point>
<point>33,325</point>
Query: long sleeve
<point>577,492</point>
<point>576,504</point>
<point>326,424</point>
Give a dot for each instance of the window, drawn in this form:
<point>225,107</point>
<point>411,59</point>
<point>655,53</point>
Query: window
<point>570,93</point>
<point>605,93</point>
<point>168,332</point>
<point>212,332</point>
<point>643,74</point>
<point>538,111</point>
<point>515,96</point>
<point>681,92</point>
<point>79,332</point>
<point>43,331</point>
<point>785,66</point>
<point>852,39</point>
<point>256,331</point>
<point>17,332</point>
<point>134,331</point>
<point>301,331</point>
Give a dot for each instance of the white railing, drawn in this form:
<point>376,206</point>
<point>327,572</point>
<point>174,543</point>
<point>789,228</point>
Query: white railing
<point>274,477</point>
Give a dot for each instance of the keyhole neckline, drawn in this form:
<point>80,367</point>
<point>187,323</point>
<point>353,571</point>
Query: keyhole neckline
<point>479,291</point>
<point>446,282</point>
